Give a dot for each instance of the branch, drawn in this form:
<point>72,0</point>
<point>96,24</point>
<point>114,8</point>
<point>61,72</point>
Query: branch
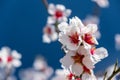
<point>45,2</point>
<point>114,73</point>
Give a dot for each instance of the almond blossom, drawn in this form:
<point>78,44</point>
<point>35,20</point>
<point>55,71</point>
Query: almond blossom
<point>9,58</point>
<point>75,33</point>
<point>50,34</point>
<point>102,3</point>
<point>58,13</point>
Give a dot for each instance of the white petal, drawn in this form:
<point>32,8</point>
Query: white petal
<point>102,3</point>
<point>92,28</point>
<point>46,39</point>
<point>117,41</point>
<point>63,26</point>
<point>63,38</point>
<point>51,20</point>
<point>77,69</point>
<point>67,61</point>
<point>51,9</point>
<point>97,35</point>
<point>16,55</point>
<point>76,22</point>
<point>87,61</point>
<point>60,7</point>
<point>62,19</point>
<point>87,76</point>
<point>54,36</point>
<point>68,12</point>
<point>100,53</point>
<point>16,63</point>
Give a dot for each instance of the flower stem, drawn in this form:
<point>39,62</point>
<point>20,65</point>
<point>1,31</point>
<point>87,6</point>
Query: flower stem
<point>45,2</point>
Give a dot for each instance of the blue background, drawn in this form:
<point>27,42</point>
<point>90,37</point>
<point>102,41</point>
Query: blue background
<point>22,22</point>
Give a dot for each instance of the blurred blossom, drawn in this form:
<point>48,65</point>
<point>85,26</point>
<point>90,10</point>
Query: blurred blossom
<point>117,41</point>
<point>11,78</point>
<point>102,3</point>
<point>91,20</point>
<point>58,13</point>
<point>50,34</point>
<point>97,34</point>
<point>9,58</point>
<point>40,71</point>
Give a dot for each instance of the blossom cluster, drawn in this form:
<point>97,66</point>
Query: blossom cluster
<point>58,13</point>
<point>79,44</point>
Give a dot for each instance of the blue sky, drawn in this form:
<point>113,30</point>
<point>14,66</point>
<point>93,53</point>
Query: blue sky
<point>22,21</point>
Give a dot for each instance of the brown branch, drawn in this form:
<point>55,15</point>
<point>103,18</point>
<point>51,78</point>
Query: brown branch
<point>45,2</point>
<point>114,73</point>
<point>105,76</point>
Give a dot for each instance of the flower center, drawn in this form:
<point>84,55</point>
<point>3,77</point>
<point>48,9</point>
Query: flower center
<point>86,70</point>
<point>0,60</point>
<point>48,30</point>
<point>70,76</point>
<point>89,39</point>
<point>92,50</point>
<point>9,59</point>
<point>58,14</point>
<point>74,38</point>
<point>78,58</point>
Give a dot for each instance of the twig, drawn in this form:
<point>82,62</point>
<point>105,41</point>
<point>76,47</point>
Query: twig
<point>114,73</point>
<point>45,2</point>
<point>105,76</point>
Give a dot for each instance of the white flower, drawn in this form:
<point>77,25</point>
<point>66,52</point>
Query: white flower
<point>102,3</point>
<point>91,20</point>
<point>41,65</point>
<point>50,34</point>
<point>78,62</point>
<point>117,41</point>
<point>58,13</point>
<point>73,34</point>
<point>10,58</point>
